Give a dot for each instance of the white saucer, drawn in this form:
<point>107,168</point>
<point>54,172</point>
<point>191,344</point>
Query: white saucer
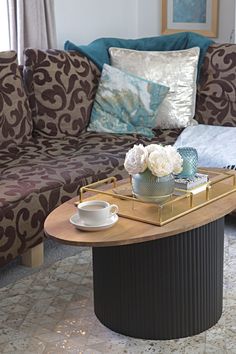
<point>79,224</point>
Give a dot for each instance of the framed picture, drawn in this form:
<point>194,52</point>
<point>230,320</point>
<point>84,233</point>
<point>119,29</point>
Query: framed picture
<point>199,16</point>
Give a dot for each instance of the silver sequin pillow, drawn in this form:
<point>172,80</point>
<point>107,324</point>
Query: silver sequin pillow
<point>175,69</point>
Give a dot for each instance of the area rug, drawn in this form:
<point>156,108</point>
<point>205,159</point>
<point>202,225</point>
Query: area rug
<point>51,311</point>
<point>53,252</point>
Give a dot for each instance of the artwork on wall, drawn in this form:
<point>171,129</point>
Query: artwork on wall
<point>199,16</point>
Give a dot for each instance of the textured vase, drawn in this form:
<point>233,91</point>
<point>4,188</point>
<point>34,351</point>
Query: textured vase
<point>190,162</point>
<point>150,188</point>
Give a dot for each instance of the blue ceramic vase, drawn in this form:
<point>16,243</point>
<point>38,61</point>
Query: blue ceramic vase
<point>150,188</point>
<point>190,162</point>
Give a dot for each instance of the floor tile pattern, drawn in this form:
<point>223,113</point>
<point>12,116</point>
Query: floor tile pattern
<point>51,312</point>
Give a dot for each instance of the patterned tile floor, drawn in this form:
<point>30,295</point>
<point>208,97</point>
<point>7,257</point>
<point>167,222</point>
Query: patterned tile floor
<point>52,312</point>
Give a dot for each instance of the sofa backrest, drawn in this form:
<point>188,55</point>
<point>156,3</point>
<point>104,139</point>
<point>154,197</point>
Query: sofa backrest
<point>61,87</point>
<point>216,92</point>
<point>15,116</point>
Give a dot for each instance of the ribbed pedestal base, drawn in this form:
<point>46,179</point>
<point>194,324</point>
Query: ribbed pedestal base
<point>162,289</point>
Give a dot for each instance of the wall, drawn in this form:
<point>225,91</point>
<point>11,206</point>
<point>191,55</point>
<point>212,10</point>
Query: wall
<point>227,14</point>
<point>83,21</point>
<point>148,23</point>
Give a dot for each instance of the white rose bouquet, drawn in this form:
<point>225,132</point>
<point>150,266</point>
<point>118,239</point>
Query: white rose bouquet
<point>160,160</point>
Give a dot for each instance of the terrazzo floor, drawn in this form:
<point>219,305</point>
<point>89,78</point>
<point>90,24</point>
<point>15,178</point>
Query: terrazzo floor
<point>51,312</point>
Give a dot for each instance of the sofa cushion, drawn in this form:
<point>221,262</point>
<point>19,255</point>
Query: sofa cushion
<point>42,173</point>
<point>15,116</point>
<point>216,98</point>
<point>175,69</point>
<point>126,104</point>
<point>38,176</point>
<point>61,87</point>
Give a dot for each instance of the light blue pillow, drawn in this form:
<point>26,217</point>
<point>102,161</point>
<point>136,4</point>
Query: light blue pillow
<point>126,104</point>
<point>215,145</point>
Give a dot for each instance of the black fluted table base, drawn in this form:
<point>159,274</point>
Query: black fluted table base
<point>162,289</point>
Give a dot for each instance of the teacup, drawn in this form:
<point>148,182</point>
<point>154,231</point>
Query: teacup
<point>96,212</point>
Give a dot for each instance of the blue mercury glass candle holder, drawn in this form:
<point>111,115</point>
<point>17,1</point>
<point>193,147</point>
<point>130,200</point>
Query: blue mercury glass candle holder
<point>190,162</point>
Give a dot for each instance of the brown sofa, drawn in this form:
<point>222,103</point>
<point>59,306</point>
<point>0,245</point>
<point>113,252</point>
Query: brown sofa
<point>46,154</point>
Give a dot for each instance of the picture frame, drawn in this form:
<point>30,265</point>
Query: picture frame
<point>199,16</point>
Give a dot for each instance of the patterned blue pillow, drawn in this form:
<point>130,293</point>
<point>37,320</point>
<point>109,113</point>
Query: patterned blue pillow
<point>125,104</point>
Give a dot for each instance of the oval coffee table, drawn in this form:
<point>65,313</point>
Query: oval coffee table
<point>154,282</point>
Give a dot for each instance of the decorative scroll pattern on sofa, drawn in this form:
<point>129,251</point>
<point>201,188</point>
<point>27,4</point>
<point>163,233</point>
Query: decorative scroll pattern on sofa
<point>61,87</point>
<point>15,117</point>
<point>216,98</point>
<point>43,173</point>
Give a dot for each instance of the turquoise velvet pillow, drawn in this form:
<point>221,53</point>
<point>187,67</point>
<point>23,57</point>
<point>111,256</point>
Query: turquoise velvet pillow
<point>126,104</point>
<point>97,50</point>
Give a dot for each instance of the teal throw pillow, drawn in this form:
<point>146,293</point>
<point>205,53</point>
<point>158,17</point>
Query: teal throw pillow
<point>126,104</point>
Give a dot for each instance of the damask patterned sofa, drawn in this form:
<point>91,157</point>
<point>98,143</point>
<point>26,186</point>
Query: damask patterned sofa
<point>46,153</point>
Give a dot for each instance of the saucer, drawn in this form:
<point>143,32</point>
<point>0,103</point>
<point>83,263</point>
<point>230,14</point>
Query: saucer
<point>79,224</point>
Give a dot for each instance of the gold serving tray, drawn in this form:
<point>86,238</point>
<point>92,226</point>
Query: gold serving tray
<point>221,183</point>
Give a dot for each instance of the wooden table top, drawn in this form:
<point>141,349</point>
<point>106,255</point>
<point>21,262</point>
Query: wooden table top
<point>127,231</point>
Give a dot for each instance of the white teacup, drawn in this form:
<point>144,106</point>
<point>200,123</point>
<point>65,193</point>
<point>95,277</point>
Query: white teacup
<point>96,212</point>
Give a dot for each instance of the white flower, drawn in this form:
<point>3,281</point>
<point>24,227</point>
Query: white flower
<point>161,160</point>
<point>176,159</point>
<point>153,147</point>
<point>136,159</point>
<point>159,164</point>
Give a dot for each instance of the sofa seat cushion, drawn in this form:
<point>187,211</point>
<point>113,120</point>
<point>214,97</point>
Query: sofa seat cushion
<point>15,116</point>
<point>39,175</point>
<point>40,164</point>
<point>61,87</point>
<point>166,136</point>
<point>216,96</point>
